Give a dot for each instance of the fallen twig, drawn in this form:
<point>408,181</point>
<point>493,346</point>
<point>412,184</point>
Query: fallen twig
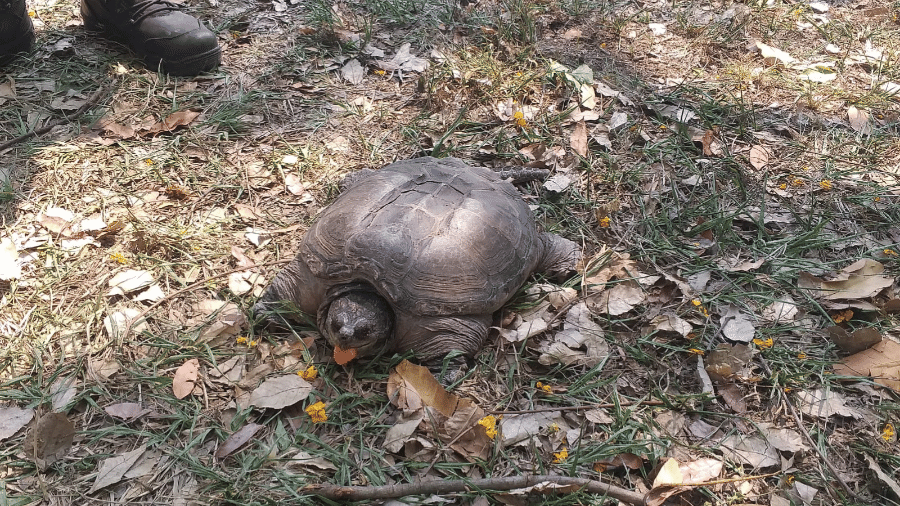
<point>91,101</point>
<point>354,493</point>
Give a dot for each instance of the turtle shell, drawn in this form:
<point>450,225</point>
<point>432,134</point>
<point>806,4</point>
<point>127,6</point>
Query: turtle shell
<point>432,236</point>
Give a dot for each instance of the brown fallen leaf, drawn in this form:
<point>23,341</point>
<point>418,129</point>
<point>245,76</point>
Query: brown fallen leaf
<point>409,382</point>
<point>759,156</point>
<point>185,378</point>
<point>172,121</point>
<point>49,439</point>
<point>856,341</point>
<point>237,439</point>
<point>880,362</point>
<point>579,139</point>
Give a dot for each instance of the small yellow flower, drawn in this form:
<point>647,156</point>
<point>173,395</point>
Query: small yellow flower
<point>877,199</point>
<point>696,351</point>
<point>119,257</point>
<point>242,340</point>
<point>789,479</point>
<point>825,184</point>
<point>801,356</point>
<point>490,426</point>
<point>662,127</point>
<point>888,433</point>
<point>890,252</point>
<point>309,374</point>
<point>544,387</point>
<point>604,222</point>
<point>696,302</point>
<point>149,161</point>
<point>560,456</point>
<point>782,186</point>
<point>253,343</point>
<point>518,115</point>
<point>764,343</point>
<point>32,13</point>
<point>797,182</point>
<point>317,412</point>
<point>553,428</point>
<point>379,72</point>
<point>843,316</point>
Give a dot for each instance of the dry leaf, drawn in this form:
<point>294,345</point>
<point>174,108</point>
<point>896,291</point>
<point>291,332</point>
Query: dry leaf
<point>736,326</point>
<point>401,430</point>
<point>9,267</point>
<point>860,340</point>
<point>860,121</point>
<point>823,403</point>
<point>579,139</point>
<point>173,121</point>
<point>409,382</point>
<point>881,362</point>
<point>668,474</point>
<point>112,469</point>
<point>759,156</point>
<point>185,378</point>
<point>62,391</point>
<point>12,419</point>
<point>237,439</point>
<point>117,323</point>
<point>126,410</point>
<point>280,392</point>
<point>750,450</point>
<point>49,439</point>
<point>773,55</point>
<point>129,281</point>
<point>353,72</point>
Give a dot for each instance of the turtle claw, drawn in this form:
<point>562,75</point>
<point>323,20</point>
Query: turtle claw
<point>448,371</point>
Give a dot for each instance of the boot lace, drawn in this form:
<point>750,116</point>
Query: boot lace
<point>138,10</point>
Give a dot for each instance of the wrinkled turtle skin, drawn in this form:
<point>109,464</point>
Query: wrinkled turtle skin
<point>443,244</point>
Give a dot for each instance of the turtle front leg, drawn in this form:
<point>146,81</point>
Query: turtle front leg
<point>433,338</point>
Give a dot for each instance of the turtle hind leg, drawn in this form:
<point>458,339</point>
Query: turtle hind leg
<point>560,258</point>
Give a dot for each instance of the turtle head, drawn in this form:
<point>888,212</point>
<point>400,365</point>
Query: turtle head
<point>360,320</point>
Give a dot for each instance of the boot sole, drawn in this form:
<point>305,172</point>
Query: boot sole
<point>189,66</point>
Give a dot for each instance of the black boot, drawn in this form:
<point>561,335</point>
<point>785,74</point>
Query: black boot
<point>157,31</point>
<point>16,30</point>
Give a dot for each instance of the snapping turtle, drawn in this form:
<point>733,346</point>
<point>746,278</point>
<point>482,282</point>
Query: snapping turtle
<point>416,256</point>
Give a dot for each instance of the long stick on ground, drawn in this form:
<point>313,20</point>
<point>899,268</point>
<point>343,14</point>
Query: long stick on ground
<point>91,102</point>
<point>352,493</point>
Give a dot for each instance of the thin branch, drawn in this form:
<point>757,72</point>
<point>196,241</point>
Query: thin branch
<point>91,101</point>
<point>354,493</point>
